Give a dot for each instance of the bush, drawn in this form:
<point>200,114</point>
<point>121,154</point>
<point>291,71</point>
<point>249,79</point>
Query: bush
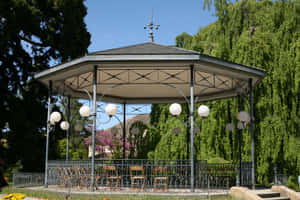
<point>293,183</point>
<point>216,160</point>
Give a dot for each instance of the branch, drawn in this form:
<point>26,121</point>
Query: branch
<point>32,42</point>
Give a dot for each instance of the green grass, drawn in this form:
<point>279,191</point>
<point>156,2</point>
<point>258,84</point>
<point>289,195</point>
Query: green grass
<point>62,196</point>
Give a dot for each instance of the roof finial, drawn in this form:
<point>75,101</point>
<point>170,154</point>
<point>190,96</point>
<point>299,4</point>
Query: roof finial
<point>151,26</point>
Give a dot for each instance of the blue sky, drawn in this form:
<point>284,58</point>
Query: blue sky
<point>118,23</point>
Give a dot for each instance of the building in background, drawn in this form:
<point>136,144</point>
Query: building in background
<point>116,132</point>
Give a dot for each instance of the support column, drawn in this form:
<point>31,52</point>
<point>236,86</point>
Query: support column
<point>252,133</point>
<point>124,130</point>
<point>94,128</point>
<point>68,131</point>
<point>48,132</point>
<point>187,131</point>
<point>192,126</point>
<point>240,143</point>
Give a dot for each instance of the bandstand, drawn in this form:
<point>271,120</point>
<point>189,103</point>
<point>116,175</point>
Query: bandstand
<point>149,73</point>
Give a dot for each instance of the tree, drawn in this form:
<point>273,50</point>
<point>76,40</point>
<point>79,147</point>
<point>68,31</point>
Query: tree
<point>265,34</point>
<point>33,35</point>
<point>105,141</point>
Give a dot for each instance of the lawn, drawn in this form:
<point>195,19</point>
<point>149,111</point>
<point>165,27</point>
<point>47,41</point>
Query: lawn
<point>61,196</point>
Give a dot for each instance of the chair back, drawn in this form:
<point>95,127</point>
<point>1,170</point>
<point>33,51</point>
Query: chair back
<point>136,171</point>
<point>160,171</point>
<point>110,171</point>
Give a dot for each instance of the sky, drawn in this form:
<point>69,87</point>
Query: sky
<point>117,23</point>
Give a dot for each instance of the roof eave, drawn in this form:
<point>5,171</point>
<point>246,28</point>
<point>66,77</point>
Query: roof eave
<point>115,58</point>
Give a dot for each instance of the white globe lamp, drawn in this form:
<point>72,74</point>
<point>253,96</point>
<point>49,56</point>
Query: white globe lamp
<point>78,127</point>
<point>230,127</point>
<point>241,125</point>
<point>85,111</point>
<point>111,109</point>
<point>175,109</point>
<point>243,116</point>
<point>64,125</point>
<point>55,117</point>
<point>203,111</point>
<point>52,122</point>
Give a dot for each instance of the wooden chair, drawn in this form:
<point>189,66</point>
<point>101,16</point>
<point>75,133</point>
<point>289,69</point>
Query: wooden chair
<point>137,175</point>
<point>84,177</point>
<point>112,177</point>
<point>98,175</point>
<point>61,177</point>
<point>67,176</point>
<point>160,178</point>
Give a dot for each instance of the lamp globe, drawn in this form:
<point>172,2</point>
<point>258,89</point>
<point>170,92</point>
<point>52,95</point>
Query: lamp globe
<point>230,127</point>
<point>78,127</point>
<point>241,125</point>
<point>55,117</point>
<point>64,125</point>
<point>203,111</point>
<point>85,111</point>
<point>243,116</point>
<point>111,109</point>
<point>175,109</point>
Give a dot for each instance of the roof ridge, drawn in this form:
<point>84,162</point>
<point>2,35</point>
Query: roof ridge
<point>178,48</point>
<point>166,49</point>
<point>122,47</point>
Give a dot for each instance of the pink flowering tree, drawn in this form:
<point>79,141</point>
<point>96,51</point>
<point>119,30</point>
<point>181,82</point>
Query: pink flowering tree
<point>106,141</point>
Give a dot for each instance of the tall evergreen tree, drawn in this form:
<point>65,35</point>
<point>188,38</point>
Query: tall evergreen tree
<point>33,35</point>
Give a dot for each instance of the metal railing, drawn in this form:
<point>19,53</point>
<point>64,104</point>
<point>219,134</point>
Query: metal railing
<point>134,173</point>
<point>165,173</point>
<point>25,179</point>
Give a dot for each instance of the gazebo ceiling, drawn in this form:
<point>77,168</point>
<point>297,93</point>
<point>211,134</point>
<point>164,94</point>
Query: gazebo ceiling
<point>150,73</point>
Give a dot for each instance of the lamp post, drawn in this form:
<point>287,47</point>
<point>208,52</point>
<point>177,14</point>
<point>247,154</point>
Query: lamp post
<point>111,110</point>
<point>53,118</point>
<point>203,111</point>
<point>243,119</point>
<point>64,125</point>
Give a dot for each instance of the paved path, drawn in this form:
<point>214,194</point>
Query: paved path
<point>204,193</point>
<point>129,191</point>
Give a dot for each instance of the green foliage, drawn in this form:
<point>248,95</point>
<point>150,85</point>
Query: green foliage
<point>138,140</point>
<point>33,35</point>
<point>265,34</point>
<point>293,183</point>
<point>172,146</point>
<point>77,149</point>
<point>9,172</point>
<point>216,160</point>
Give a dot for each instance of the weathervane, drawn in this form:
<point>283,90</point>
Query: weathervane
<point>151,26</point>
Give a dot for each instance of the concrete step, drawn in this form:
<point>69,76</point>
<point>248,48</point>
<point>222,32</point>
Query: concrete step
<point>268,194</point>
<point>277,198</point>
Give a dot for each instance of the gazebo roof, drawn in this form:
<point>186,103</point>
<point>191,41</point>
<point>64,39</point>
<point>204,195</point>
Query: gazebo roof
<point>150,73</point>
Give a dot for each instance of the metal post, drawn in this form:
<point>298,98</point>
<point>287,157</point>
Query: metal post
<point>230,132</point>
<point>48,132</point>
<point>240,143</point>
<point>192,126</point>
<point>94,128</point>
<point>124,130</point>
<point>275,175</point>
<point>187,132</point>
<point>68,131</point>
<point>252,133</point>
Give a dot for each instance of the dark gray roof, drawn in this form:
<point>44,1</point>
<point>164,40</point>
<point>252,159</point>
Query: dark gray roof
<point>148,48</point>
